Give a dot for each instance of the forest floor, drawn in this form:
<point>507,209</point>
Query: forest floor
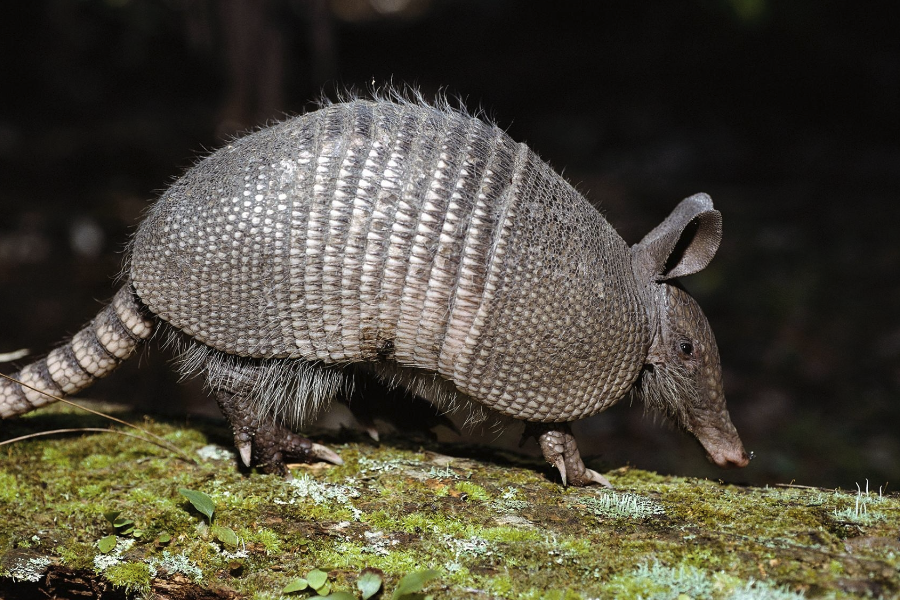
<point>102,514</point>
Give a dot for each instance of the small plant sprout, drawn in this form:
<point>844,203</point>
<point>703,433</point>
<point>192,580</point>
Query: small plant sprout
<point>202,502</point>
<point>315,580</point>
<point>205,505</point>
<point>120,524</point>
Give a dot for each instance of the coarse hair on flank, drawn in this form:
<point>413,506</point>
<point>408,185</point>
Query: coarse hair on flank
<point>665,389</point>
<point>290,390</point>
<point>295,391</point>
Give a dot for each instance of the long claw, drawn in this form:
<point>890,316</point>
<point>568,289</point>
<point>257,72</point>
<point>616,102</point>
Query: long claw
<point>560,463</point>
<point>592,475</point>
<point>327,454</point>
<point>560,450</point>
<point>245,451</point>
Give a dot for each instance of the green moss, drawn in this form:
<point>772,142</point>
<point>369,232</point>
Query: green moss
<point>76,555</point>
<point>494,530</point>
<point>9,489</point>
<point>265,537</point>
<point>418,521</point>
<point>474,491</point>
<point>98,461</point>
<point>91,491</point>
<point>55,457</point>
<point>381,519</point>
<point>512,535</point>
<point>351,556</point>
<point>133,576</point>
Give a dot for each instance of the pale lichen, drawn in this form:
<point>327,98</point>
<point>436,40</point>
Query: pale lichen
<point>618,505</point>
<point>322,493</point>
<point>103,561</point>
<point>27,569</point>
<point>176,563</point>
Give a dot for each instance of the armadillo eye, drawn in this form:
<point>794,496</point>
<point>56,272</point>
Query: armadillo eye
<point>686,348</point>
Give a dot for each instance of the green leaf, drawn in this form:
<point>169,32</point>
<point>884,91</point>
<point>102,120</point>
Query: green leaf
<point>414,582</point>
<point>200,501</point>
<point>297,585</point>
<point>316,579</point>
<point>164,538</point>
<point>369,582</point>
<point>111,516</point>
<point>226,535</point>
<point>107,544</point>
<point>123,526</point>
<point>341,595</point>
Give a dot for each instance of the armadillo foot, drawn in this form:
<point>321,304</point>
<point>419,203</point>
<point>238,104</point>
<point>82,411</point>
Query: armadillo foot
<point>264,443</point>
<point>559,448</point>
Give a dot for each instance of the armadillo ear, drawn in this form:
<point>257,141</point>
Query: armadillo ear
<point>682,244</point>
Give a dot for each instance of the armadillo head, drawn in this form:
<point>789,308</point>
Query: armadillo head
<point>682,376</point>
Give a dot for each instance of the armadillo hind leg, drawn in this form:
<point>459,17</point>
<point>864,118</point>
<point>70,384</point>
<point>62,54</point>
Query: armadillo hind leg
<point>263,442</point>
<point>261,397</point>
<point>560,450</point>
<point>92,353</point>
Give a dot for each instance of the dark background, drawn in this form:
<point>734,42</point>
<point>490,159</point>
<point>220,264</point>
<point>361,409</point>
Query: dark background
<point>785,112</point>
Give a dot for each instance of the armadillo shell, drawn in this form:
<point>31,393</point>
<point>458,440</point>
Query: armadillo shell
<point>376,231</point>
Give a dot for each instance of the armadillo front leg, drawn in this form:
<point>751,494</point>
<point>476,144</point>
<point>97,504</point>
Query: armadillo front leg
<point>263,442</point>
<point>559,448</point>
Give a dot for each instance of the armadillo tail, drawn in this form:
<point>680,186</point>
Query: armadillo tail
<point>92,353</point>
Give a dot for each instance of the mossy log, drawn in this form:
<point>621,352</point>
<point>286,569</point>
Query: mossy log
<point>101,515</point>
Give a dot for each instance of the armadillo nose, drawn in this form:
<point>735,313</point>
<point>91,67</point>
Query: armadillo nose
<point>731,459</point>
<point>724,449</point>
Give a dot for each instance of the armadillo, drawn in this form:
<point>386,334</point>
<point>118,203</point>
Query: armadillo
<point>422,247</point>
